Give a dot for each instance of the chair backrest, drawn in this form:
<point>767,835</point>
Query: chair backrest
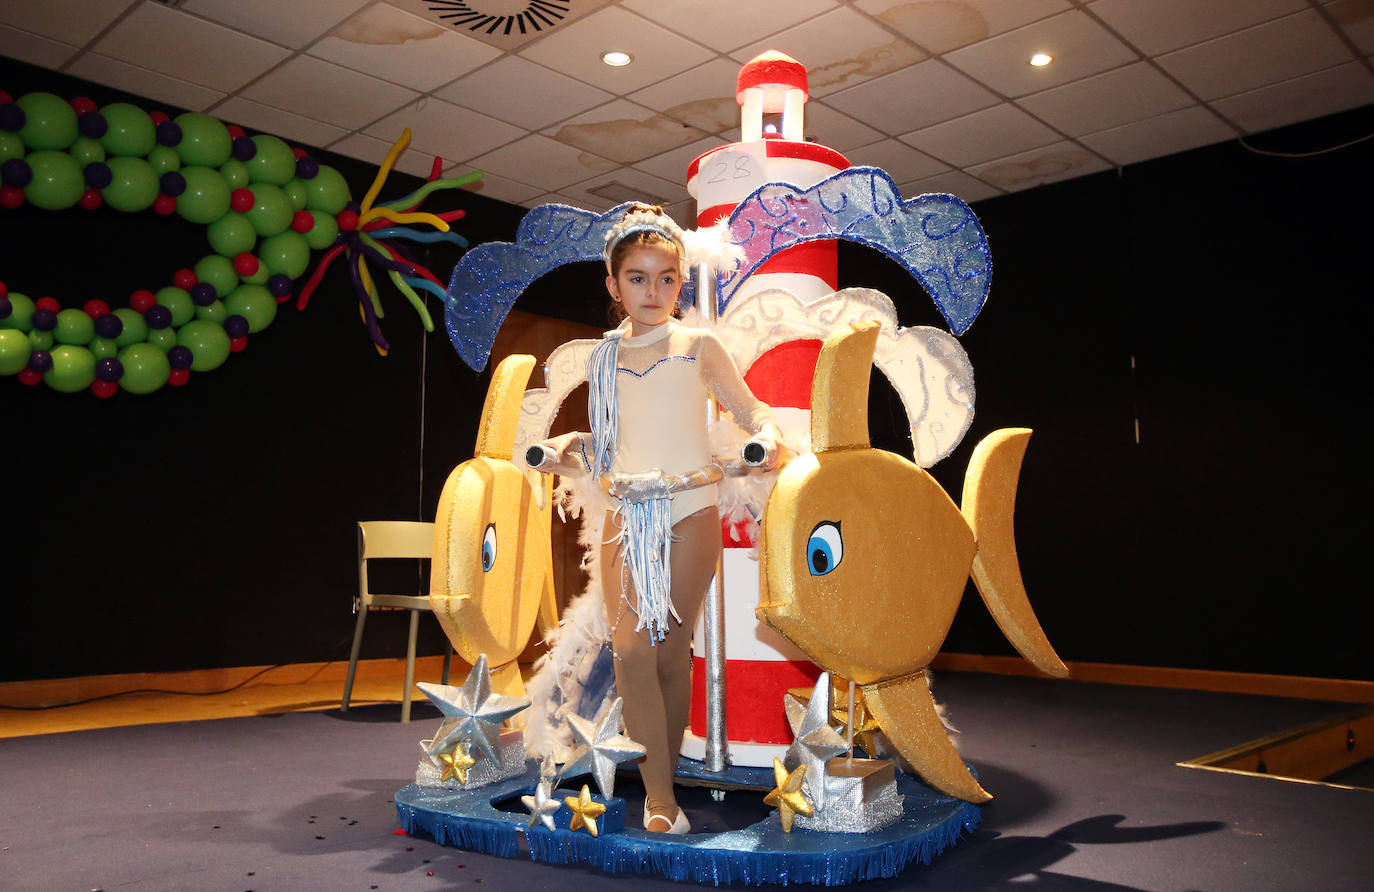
<point>390,539</point>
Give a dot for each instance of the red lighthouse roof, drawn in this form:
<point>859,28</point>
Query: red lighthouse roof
<point>774,73</point>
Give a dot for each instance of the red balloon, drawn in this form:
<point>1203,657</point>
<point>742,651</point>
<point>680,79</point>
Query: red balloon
<point>348,220</point>
<point>81,105</point>
<point>246,264</point>
<point>141,300</point>
<point>164,205</point>
<point>235,131</point>
<point>242,200</point>
<point>91,198</point>
<point>11,197</point>
<point>302,221</point>
<point>104,389</point>
<point>29,376</point>
<point>158,117</point>
<point>298,153</point>
<point>236,345</point>
<point>184,279</point>
<point>178,377</point>
<point>4,292</point>
<point>47,303</point>
<point>96,308</point>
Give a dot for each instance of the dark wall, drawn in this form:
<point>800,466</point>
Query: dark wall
<point>213,525</point>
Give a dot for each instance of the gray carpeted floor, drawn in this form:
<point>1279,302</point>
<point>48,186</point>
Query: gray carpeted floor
<point>1088,798</point>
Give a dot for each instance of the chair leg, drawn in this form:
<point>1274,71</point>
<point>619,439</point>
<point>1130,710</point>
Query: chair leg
<point>353,656</point>
<point>410,665</point>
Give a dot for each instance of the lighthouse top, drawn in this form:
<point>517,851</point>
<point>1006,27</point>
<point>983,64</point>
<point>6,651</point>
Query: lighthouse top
<point>773,73</point>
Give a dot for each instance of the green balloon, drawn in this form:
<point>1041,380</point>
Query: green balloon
<point>323,233</point>
<point>204,141</point>
<point>57,181</point>
<point>74,327</point>
<point>214,312</point>
<point>208,342</point>
<point>41,340</point>
<point>254,303</point>
<point>73,369</point>
<point>259,277</point>
<point>129,130</point>
<point>179,302</point>
<point>231,235</point>
<point>296,194</point>
<point>206,198</point>
<point>286,252</point>
<point>14,351</point>
<point>163,338</point>
<point>327,191</point>
<point>21,312</point>
<point>49,121</point>
<point>86,150</point>
<point>271,212</point>
<point>135,327</point>
<point>134,186</point>
<point>11,146</point>
<point>235,173</point>
<point>164,159</point>
<point>103,347</point>
<point>272,163</point>
<point>145,368</point>
<point>218,271</point>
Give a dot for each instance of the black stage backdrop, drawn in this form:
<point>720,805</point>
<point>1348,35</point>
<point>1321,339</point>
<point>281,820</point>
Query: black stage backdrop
<point>1216,296</point>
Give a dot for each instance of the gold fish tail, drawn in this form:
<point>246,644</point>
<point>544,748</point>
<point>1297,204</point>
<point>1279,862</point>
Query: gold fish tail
<point>989,503</point>
<point>905,710</point>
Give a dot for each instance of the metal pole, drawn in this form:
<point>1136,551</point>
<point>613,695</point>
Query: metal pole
<point>717,746</point>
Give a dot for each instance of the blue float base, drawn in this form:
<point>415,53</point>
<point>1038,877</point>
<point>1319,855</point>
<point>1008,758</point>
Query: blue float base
<point>759,854</point>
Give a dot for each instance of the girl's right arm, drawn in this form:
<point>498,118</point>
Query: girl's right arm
<point>569,453</point>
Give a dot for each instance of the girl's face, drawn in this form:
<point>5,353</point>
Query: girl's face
<point>647,286</point>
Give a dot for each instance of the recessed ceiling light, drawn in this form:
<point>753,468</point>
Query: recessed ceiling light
<point>1040,60</point>
<point>616,59</point>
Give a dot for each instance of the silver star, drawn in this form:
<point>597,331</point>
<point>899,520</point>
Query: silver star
<point>479,711</point>
<point>541,805</point>
<point>814,741</point>
<point>601,746</point>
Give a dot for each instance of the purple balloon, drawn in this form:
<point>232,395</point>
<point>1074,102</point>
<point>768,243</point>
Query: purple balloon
<point>6,307</point>
<point>172,183</point>
<point>157,316</point>
<point>40,360</point>
<point>12,117</point>
<point>98,174</point>
<point>109,326</point>
<point>16,172</point>
<point>168,133</point>
<point>280,285</point>
<point>44,320</point>
<point>236,326</point>
<point>92,124</point>
<point>203,294</point>
<point>244,148</point>
<point>109,369</point>
<point>307,167</point>
<point>180,357</point>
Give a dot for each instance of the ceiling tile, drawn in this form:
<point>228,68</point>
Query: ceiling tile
<point>517,90</point>
<point>1049,164</point>
<point>441,128</point>
<point>576,51</point>
<point>142,82</point>
<point>1163,25</point>
<point>839,49</point>
<point>541,162</point>
<point>68,21</point>
<point>703,97</point>
<point>953,182</point>
<point>725,24</point>
<point>1265,54</point>
<point>33,49</point>
<point>493,186</point>
<point>254,116</point>
<point>263,18</point>
<point>836,129</point>
<point>1079,45</point>
<point>1311,96</point>
<point>402,48</point>
<point>190,49</point>
<point>1356,19</point>
<point>899,160</point>
<point>928,93</point>
<point>1175,131</point>
<point>672,166</point>
<point>374,151</point>
<point>624,131</point>
<point>939,26</point>
<point>504,24</point>
<point>991,133</point>
<point>1096,103</point>
<point>335,95</point>
<point>551,198</point>
<point>625,184</point>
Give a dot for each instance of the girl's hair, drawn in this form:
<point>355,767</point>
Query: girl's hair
<point>642,225</point>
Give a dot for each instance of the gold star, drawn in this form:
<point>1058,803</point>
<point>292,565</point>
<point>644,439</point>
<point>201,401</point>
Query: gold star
<point>787,795</point>
<point>456,763</point>
<point>584,810</point>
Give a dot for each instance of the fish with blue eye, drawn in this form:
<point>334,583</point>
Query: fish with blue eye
<point>863,560</point>
<point>491,578</point>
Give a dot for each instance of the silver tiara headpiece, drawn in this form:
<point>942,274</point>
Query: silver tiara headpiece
<point>642,220</point>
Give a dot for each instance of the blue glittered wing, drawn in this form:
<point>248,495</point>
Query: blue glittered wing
<point>935,237</point>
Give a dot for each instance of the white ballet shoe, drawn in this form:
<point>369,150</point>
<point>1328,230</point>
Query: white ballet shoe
<point>678,827</point>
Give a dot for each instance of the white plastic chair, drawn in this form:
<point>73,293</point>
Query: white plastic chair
<point>391,539</point>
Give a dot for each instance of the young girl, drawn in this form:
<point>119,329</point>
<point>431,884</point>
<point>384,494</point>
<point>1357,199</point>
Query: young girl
<point>648,381</point>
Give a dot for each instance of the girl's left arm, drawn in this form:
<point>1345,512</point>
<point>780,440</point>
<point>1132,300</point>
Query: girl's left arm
<point>723,379</point>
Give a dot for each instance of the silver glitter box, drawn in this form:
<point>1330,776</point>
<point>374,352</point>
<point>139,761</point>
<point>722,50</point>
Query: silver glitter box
<point>860,797</point>
<point>512,764</point>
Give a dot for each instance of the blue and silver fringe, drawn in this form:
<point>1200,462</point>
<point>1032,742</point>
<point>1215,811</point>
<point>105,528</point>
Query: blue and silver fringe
<point>601,402</point>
